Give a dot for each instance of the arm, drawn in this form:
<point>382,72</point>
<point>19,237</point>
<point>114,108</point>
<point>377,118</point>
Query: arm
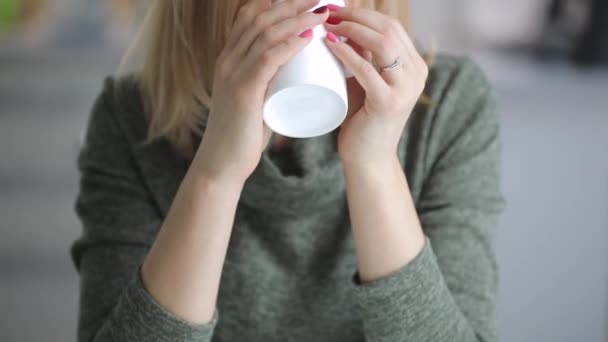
<point>385,225</point>
<point>182,269</point>
<point>120,222</point>
<point>183,276</point>
<point>445,290</point>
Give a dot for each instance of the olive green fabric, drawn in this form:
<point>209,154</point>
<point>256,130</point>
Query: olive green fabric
<point>290,270</point>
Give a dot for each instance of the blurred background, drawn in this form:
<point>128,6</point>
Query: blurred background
<point>547,60</point>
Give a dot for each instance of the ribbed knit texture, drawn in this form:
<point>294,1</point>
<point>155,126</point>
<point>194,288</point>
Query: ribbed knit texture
<point>290,270</point>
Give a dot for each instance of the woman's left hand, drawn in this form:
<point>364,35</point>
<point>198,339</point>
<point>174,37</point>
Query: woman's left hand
<point>371,134</point>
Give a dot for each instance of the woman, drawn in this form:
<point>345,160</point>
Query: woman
<point>379,232</point>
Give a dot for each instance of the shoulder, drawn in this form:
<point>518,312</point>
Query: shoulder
<point>117,124</point>
<point>460,114</point>
<point>456,79</point>
<point>118,111</point>
<point>122,90</point>
<point>462,99</point>
<point>459,94</point>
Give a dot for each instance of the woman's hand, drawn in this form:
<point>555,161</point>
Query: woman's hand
<point>263,38</point>
<point>370,136</point>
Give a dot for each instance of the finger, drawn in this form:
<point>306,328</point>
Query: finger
<point>276,13</point>
<point>375,20</point>
<point>415,58</point>
<point>284,10</point>
<point>384,48</point>
<point>364,71</point>
<point>366,54</point>
<point>278,33</point>
<point>269,62</point>
<point>361,51</point>
<point>245,16</point>
<point>363,36</point>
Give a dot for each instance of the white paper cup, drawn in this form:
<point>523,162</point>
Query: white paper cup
<point>307,97</point>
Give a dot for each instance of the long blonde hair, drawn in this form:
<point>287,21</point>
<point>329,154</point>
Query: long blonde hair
<point>184,39</point>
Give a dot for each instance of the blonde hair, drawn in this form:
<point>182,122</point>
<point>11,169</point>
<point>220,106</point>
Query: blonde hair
<point>184,40</point>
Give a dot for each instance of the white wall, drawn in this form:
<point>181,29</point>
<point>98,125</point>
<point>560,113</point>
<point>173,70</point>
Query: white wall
<point>465,23</point>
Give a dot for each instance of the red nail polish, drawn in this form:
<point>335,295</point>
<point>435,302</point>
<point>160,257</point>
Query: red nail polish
<point>321,10</point>
<point>332,37</point>
<point>306,34</point>
<point>334,8</point>
<point>333,20</point>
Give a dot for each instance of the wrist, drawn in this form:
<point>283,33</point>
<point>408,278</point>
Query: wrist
<point>371,167</point>
<point>215,182</point>
<point>211,172</point>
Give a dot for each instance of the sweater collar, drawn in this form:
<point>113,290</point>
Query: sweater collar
<point>320,184</point>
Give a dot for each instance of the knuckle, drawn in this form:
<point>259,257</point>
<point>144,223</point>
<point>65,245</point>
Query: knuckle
<point>269,35</point>
<point>222,70</point>
<point>394,23</point>
<point>387,28</point>
<point>421,66</point>
<point>246,11</point>
<point>364,67</point>
<point>356,12</point>
<point>425,70</point>
<point>292,10</point>
<point>346,27</point>
<point>259,23</point>
<point>306,20</point>
<point>417,86</point>
<point>267,58</point>
<point>385,44</point>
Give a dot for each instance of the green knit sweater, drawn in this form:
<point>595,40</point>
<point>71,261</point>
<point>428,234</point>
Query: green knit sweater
<point>290,266</point>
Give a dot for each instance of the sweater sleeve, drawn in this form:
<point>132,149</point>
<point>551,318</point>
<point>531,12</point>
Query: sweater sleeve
<point>448,292</point>
<point>120,222</point>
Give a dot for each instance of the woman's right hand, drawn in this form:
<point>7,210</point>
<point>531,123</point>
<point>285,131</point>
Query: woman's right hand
<point>263,38</point>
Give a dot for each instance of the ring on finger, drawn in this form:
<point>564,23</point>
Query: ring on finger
<point>397,64</point>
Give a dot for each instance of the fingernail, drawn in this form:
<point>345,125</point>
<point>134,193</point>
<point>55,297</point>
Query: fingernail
<point>334,8</point>
<point>333,21</point>
<point>332,37</point>
<point>306,34</point>
<point>321,10</point>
